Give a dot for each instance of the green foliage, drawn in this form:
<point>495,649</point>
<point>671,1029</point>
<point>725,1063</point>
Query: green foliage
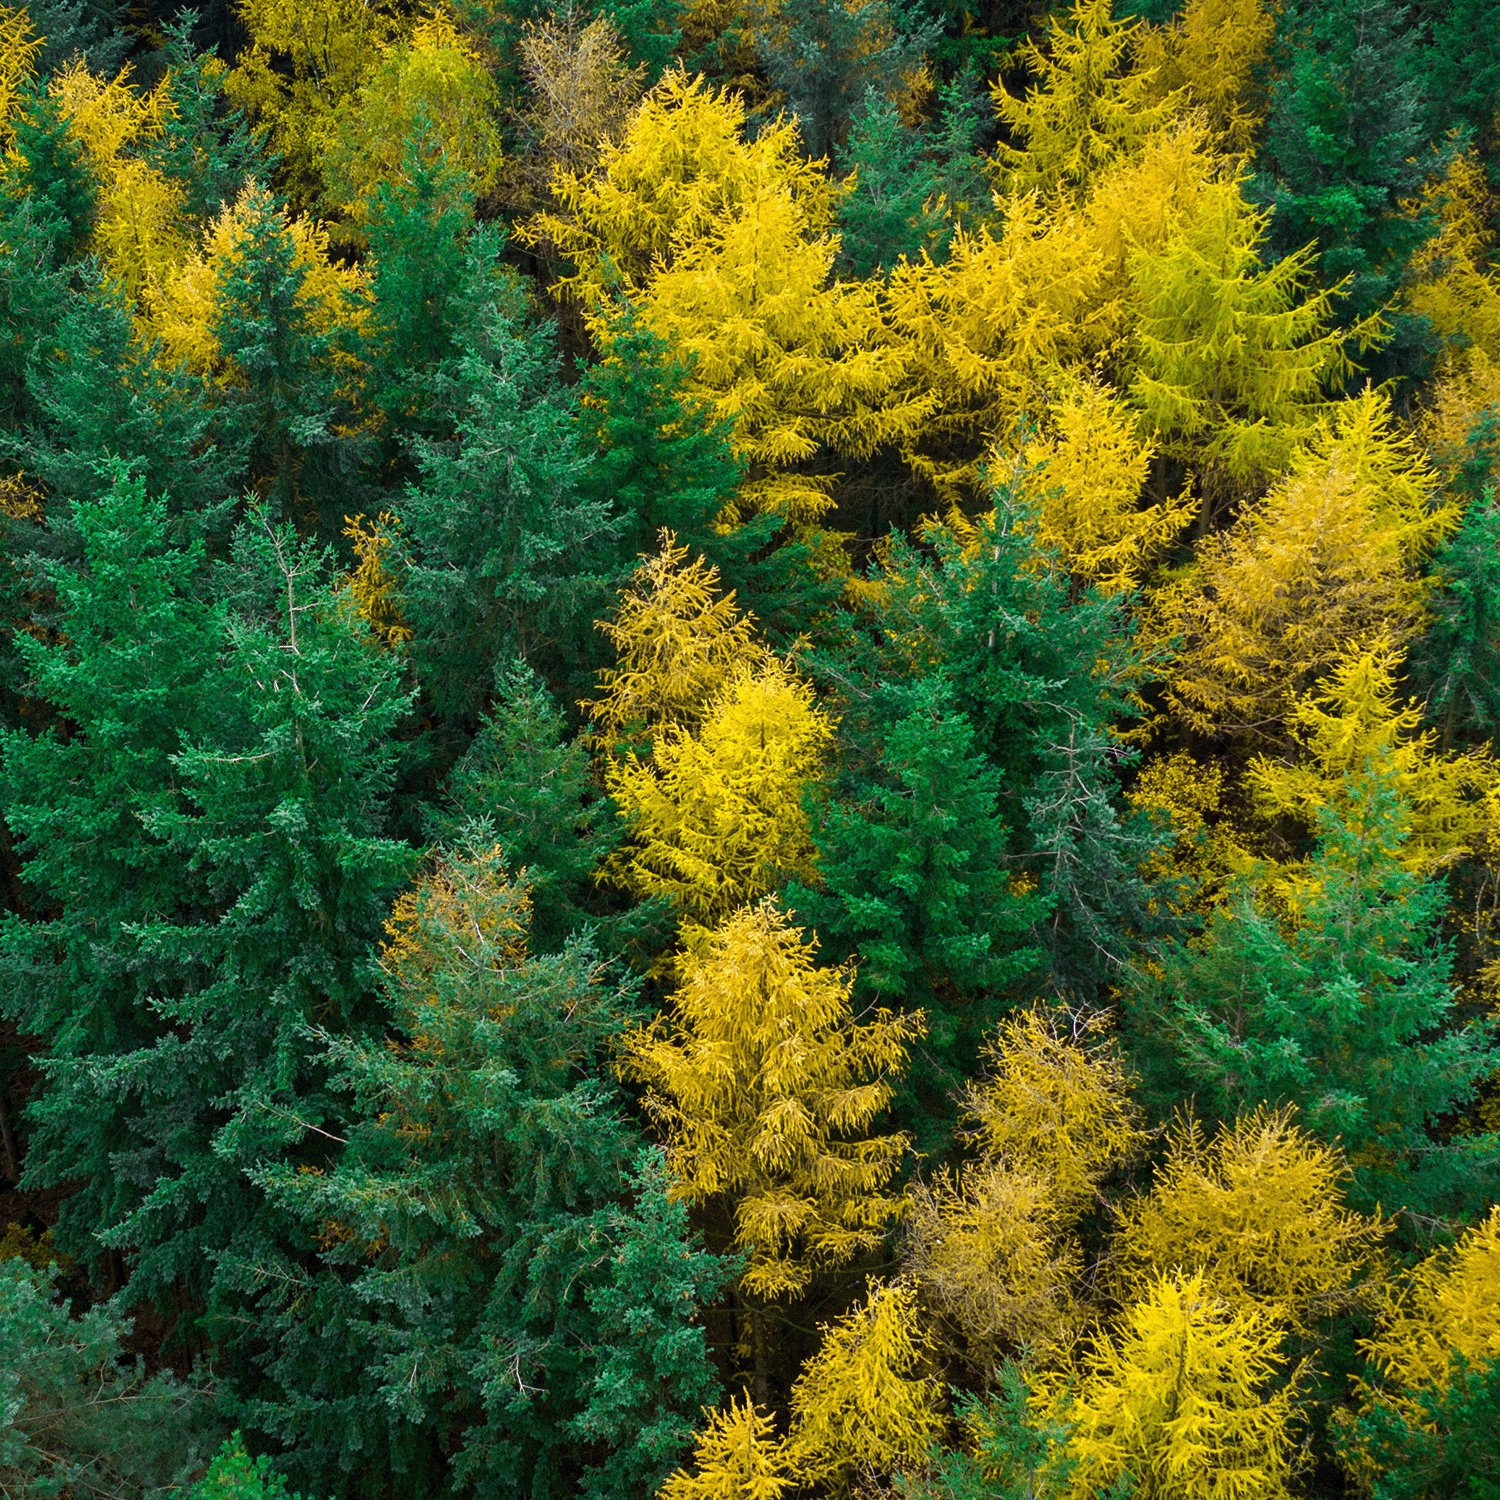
<point>530,786</point>
<point>498,526</point>
<point>77,1415</point>
<point>1343,1008</point>
<point>234,1475</point>
<point>1345,138</point>
<point>207,834</point>
<point>1456,662</point>
<point>497,1258</point>
<point>825,56</point>
<point>1446,1448</point>
<point>49,166</point>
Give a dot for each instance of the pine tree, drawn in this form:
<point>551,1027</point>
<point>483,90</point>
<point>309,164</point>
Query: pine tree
<point>49,166</point>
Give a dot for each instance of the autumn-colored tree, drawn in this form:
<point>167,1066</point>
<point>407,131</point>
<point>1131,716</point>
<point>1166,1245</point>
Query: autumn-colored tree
<point>679,642</point>
<point>431,88</point>
<point>1231,356</point>
<point>764,1086</point>
<point>1353,728</point>
<point>1257,1213</point>
<point>738,1457</point>
<point>716,818</point>
<point>305,61</point>
<point>863,1406</point>
<point>1187,1395</point>
<point>992,1247</point>
<point>1089,107</point>
<point>1090,468</point>
<point>1324,564</point>
<point>724,248</point>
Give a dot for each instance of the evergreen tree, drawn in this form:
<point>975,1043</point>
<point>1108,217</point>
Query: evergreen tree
<point>1455,664</point>
<point>1344,1008</point>
<point>501,1272</point>
<point>500,534</point>
<point>912,884</point>
<point>49,166</point>
<point>205,840</point>
<point>1463,70</point>
<point>1345,143</point>
<point>524,780</point>
<point>825,56</point>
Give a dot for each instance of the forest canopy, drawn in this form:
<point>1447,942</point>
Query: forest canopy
<point>747,750</point>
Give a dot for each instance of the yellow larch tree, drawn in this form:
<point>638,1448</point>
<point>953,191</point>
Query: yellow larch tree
<point>1229,356</point>
<point>431,89</point>
<point>678,641</point>
<point>764,1088</point>
<point>738,1457</point>
<point>1324,564</point>
<point>1257,1214</point>
<point>1089,108</point>
<point>1445,1308</point>
<point>19,45</point>
<point>1090,467</point>
<point>373,586</point>
<point>724,249</point>
<point>716,817</point>
<point>1186,1395</point>
<point>1352,728</point>
<point>138,231</point>
<point>306,58</point>
<point>991,1247</point>
<point>1209,57</point>
<point>864,1406</point>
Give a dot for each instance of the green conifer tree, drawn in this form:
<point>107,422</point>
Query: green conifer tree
<point>1345,1009</point>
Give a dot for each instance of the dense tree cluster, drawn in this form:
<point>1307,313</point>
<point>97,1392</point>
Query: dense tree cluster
<point>747,750</point>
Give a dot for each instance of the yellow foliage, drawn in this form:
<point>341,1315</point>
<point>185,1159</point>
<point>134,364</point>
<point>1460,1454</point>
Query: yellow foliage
<point>984,335</point>
<point>679,642</point>
<point>716,817</point>
<point>723,248</point>
<point>1092,470</point>
<point>1449,1304</point>
<point>305,59</point>
<point>1205,852</point>
<point>738,1457</point>
<point>990,1251</point>
<point>762,1084</point>
<point>186,307</point>
<point>862,1407</point>
<point>1460,398</point>
<point>1185,1396</point>
<point>1057,1103</point>
<point>1316,570</point>
<point>19,46</point>
<point>1211,53</point>
<point>1351,729</point>
<point>138,231</point>
<point>1089,108</point>
<point>374,587</point>
<point>1257,1214</point>
<point>433,79</point>
<point>1451,284</point>
<point>1230,354</point>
